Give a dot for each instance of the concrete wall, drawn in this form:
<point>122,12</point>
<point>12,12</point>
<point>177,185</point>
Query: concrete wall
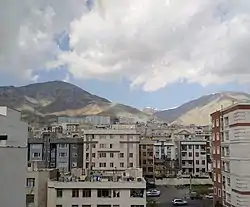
<point>183,181</point>
<point>12,177</point>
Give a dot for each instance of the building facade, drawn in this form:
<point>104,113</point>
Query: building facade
<point>110,150</point>
<point>13,153</point>
<point>62,152</point>
<point>37,182</point>
<point>234,130</point>
<point>193,158</point>
<point>73,191</point>
<point>146,158</point>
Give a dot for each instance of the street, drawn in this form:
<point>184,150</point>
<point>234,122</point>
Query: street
<point>169,193</point>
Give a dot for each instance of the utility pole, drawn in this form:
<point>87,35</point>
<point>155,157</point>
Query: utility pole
<point>190,184</point>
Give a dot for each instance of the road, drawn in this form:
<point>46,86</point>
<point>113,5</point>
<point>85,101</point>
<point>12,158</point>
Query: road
<point>169,193</point>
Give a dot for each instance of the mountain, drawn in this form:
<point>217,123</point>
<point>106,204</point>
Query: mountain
<point>150,110</point>
<point>43,101</point>
<point>198,111</point>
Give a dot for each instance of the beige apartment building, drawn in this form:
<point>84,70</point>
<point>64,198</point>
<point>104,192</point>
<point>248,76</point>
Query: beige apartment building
<point>36,183</point>
<point>95,191</point>
<point>110,150</point>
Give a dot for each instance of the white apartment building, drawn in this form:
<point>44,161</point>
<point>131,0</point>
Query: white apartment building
<point>164,149</point>
<point>193,157</point>
<point>72,191</point>
<point>36,183</point>
<point>13,154</point>
<point>235,155</point>
<point>110,150</point>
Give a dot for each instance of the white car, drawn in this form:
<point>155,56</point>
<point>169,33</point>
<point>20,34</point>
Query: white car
<point>209,196</point>
<point>179,202</point>
<point>153,193</point>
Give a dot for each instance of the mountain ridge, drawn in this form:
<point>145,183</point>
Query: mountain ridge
<point>197,111</point>
<point>58,98</point>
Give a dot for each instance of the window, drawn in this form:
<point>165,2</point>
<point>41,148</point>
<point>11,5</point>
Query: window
<point>214,150</point>
<point>121,155</point>
<point>219,192</point>
<point>30,182</point>
<point>116,193</point>
<point>111,164</point>
<point>130,154</point>
<point>219,178</point>
<point>189,146</point>
<point>102,164</point>
<point>214,176</point>
<point>58,205</point>
<point>93,155</point>
<point>121,164</point>
<point>59,193</point>
<point>203,162</point>
<point>197,154</point>
<point>218,150</point>
<point>190,154</point>
<point>104,193</point>
<point>144,154</point>
<point>102,154</point>
<point>111,146</point>
<point>36,154</point>
<point>111,154</point>
<point>214,136</point>
<point>131,164</point>
<point>86,193</point>
<point>116,205</point>
<point>74,206</point>
<point>137,206</point>
<point>197,147</point>
<point>93,145</point>
<point>218,164</point>
<point>217,122</point>
<point>144,162</point>
<point>62,145</point>
<point>215,191</point>
<point>197,170</point>
<point>137,193</point>
<point>102,145</point>
<point>197,162</point>
<point>75,193</point>
<point>217,136</point>
<point>62,154</point>
<point>86,205</point>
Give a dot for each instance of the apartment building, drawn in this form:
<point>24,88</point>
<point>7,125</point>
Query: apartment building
<point>165,155</point>
<point>193,157</point>
<point>72,190</point>
<point>110,150</point>
<point>233,129</point>
<point>146,158</point>
<point>13,153</point>
<point>216,156</point>
<point>36,183</point>
<point>57,150</point>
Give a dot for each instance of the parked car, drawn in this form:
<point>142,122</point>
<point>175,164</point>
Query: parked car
<point>179,202</point>
<point>209,196</point>
<point>153,193</point>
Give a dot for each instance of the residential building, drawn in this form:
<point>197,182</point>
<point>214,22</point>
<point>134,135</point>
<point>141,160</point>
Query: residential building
<point>57,150</point>
<point>13,153</point>
<point>146,158</point>
<point>110,150</point>
<point>216,156</point>
<point>128,190</point>
<point>165,155</point>
<point>231,126</point>
<point>193,157</point>
<point>36,183</point>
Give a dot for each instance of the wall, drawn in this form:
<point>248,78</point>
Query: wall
<point>183,181</point>
<point>12,177</point>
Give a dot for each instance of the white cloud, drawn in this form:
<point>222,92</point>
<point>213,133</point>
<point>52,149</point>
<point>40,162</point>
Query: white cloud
<point>151,43</point>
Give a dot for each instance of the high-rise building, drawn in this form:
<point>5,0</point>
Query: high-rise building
<point>231,155</point>
<point>13,154</point>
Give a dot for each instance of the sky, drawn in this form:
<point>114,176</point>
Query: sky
<point>137,52</point>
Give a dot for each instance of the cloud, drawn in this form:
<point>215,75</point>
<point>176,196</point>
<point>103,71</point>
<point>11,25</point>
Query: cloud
<point>151,43</point>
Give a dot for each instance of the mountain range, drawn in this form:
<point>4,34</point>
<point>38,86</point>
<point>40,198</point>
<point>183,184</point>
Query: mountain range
<point>198,110</point>
<point>41,102</point>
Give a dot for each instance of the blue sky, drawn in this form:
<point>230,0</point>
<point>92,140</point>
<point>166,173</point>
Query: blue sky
<point>154,45</point>
<point>120,91</point>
